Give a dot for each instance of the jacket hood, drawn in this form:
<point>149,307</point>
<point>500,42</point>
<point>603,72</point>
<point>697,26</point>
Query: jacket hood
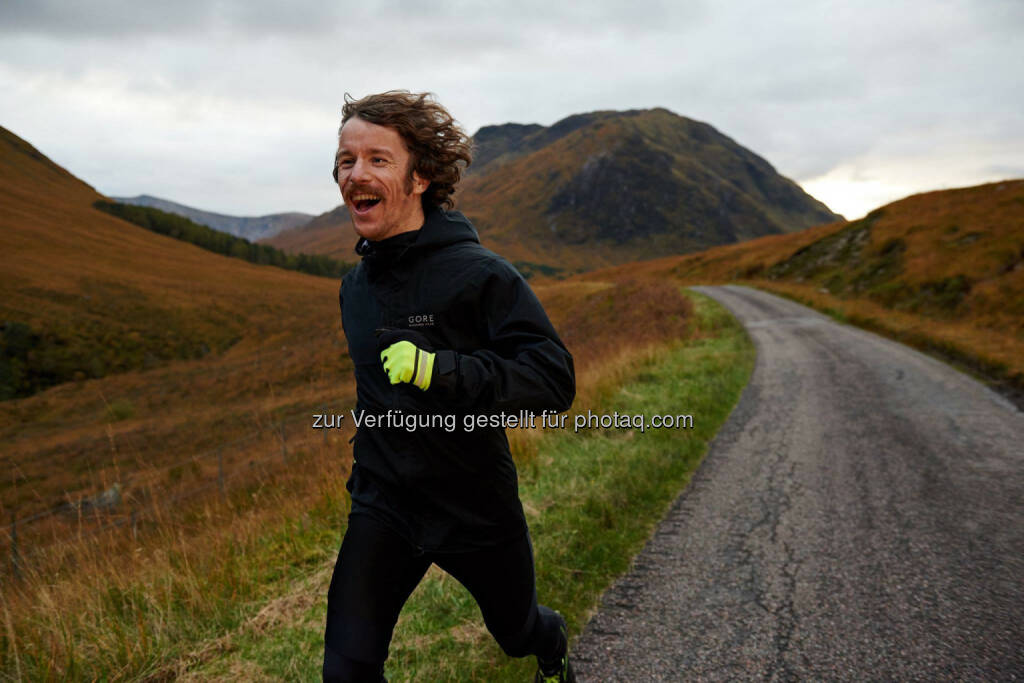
<point>440,228</point>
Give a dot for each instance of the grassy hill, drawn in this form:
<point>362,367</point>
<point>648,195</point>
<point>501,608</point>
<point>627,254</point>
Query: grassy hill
<point>603,188</point>
<point>943,271</point>
<point>169,349</point>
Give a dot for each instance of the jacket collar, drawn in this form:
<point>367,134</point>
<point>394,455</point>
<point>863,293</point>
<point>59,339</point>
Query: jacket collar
<point>440,228</point>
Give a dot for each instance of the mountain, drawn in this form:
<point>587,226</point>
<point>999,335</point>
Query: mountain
<point>606,187</point>
<point>251,228</point>
<point>609,187</point>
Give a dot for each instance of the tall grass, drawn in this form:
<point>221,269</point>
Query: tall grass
<point>118,607</point>
<point>163,602</point>
<point>591,500</point>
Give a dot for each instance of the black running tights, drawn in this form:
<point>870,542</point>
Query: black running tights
<point>376,572</point>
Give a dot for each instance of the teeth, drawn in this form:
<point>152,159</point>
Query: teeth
<point>364,197</point>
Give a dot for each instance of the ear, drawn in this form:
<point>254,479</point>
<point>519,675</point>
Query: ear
<point>419,183</point>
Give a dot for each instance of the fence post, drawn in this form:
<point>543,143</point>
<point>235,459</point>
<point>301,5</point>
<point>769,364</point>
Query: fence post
<point>284,446</point>
<point>220,469</point>
<point>15,558</point>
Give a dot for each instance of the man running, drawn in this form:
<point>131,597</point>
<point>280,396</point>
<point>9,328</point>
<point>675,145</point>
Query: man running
<point>436,325</point>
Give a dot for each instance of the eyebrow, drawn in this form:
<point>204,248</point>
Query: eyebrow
<point>373,150</point>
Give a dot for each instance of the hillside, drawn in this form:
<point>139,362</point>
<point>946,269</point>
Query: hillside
<point>607,187</point>
<point>158,349</point>
<point>251,228</point>
<point>941,270</point>
<point>330,234</point>
<point>95,295</point>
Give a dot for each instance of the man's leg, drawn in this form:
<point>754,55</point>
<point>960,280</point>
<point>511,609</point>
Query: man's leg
<point>502,581</point>
<point>375,573</point>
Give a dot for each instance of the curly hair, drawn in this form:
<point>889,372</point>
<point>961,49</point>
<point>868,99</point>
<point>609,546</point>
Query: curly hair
<point>439,148</point>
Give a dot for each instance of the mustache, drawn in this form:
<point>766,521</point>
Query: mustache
<point>361,189</point>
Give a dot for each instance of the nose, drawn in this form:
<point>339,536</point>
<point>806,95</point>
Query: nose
<point>358,172</point>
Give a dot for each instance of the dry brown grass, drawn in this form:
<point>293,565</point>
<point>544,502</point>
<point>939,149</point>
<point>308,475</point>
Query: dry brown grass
<point>974,344</point>
<point>140,595</point>
<point>597,320</point>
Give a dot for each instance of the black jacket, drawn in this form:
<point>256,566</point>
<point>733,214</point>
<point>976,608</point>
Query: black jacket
<point>447,490</point>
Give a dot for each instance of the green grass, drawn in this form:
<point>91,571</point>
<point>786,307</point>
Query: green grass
<point>592,501</point>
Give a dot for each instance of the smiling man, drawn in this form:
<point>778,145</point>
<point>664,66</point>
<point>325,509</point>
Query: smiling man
<point>436,325</point>
<point>382,193</point>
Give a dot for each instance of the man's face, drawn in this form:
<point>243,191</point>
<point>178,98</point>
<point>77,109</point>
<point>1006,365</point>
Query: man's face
<point>373,175</point>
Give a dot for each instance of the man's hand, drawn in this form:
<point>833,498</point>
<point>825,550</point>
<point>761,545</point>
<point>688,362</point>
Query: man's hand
<point>406,357</point>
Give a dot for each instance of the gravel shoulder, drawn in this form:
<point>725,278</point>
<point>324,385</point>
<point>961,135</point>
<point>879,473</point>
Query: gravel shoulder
<point>859,516</point>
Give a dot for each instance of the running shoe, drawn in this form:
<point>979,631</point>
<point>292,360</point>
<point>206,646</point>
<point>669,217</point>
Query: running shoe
<point>561,672</point>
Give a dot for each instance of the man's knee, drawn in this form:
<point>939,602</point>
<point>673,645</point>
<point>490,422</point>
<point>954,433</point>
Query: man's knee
<point>341,669</point>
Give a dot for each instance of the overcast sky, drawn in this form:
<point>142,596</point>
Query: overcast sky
<point>233,106</point>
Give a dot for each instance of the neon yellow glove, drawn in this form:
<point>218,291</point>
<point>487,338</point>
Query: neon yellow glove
<point>406,362</point>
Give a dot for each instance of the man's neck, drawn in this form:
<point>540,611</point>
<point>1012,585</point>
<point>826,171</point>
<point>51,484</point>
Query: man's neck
<point>414,221</point>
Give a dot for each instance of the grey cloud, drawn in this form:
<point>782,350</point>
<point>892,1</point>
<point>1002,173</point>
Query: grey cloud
<point>102,17</point>
<point>808,85</point>
<point>1003,17</point>
<point>377,24</point>
<point>117,18</point>
<point>546,15</point>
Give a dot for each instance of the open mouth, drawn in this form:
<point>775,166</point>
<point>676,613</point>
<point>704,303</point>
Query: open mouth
<point>363,202</point>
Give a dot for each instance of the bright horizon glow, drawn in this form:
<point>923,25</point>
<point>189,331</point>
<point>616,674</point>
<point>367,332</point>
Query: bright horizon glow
<point>853,198</point>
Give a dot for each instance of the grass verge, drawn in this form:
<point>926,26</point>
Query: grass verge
<point>990,356</point>
<point>592,500</point>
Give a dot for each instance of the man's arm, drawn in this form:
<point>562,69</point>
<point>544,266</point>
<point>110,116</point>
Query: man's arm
<point>523,366</point>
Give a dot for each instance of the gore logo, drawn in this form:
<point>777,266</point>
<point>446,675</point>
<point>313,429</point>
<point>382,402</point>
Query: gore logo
<point>421,320</point>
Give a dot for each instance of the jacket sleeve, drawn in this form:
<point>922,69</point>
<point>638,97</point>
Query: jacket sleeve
<point>522,366</point>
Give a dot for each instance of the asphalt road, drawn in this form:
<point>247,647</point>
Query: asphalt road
<point>860,516</point>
